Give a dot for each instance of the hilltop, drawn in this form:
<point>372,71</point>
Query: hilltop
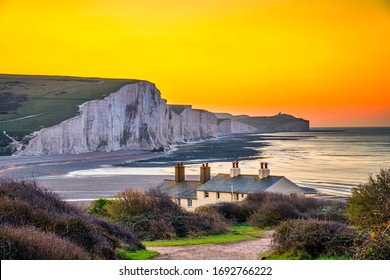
<point>29,103</point>
<point>277,123</point>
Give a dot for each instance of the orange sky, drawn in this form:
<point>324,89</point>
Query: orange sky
<point>326,61</point>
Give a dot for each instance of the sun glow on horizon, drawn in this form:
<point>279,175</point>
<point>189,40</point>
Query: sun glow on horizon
<point>326,61</point>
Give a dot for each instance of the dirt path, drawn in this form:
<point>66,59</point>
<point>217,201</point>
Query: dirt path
<point>244,250</point>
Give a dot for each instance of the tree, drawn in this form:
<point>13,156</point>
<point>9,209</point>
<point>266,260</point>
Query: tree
<point>369,205</point>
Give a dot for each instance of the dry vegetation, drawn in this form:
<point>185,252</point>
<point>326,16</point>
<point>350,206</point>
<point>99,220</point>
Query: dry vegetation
<point>24,208</point>
<point>153,215</point>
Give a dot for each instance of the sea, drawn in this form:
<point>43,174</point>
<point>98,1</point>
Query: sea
<point>330,160</point>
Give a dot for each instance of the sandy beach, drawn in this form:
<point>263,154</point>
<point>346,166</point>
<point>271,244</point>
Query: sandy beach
<point>55,173</point>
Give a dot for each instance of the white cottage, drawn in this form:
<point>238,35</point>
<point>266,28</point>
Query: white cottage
<point>231,187</point>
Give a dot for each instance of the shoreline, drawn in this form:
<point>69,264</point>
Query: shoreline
<point>56,165</point>
<point>53,173</point>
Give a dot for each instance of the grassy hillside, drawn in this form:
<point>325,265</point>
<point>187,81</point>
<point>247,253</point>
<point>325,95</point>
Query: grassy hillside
<point>29,103</point>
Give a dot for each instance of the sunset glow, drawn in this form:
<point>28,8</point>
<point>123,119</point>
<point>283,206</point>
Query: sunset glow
<point>326,61</point>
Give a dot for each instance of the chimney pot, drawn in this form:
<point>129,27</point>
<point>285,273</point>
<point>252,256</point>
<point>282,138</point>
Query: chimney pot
<point>262,165</point>
<point>266,165</point>
<point>204,173</point>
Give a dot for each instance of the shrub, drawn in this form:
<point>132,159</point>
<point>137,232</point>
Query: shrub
<point>153,215</point>
<point>369,205</point>
<point>29,243</point>
<point>255,200</point>
<point>235,212</point>
<point>100,207</point>
<point>330,211</point>
<point>375,248</point>
<point>271,208</point>
<point>86,235</point>
<point>212,215</point>
<point>23,203</point>
<point>120,232</point>
<point>30,192</point>
<point>272,213</point>
<point>313,238</point>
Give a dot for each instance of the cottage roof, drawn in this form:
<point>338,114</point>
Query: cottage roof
<point>239,184</point>
<point>185,189</point>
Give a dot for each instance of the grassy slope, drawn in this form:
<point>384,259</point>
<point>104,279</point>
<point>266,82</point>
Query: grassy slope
<point>238,233</point>
<point>53,99</point>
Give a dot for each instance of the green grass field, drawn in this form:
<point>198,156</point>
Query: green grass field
<point>237,233</point>
<point>50,99</point>
<point>136,255</point>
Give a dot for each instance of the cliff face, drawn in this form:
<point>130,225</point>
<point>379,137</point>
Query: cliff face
<point>133,117</point>
<point>137,117</point>
<point>229,126</point>
<point>277,123</point>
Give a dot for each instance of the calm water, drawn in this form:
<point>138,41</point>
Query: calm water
<point>331,160</point>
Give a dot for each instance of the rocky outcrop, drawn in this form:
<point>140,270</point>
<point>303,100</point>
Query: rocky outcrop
<point>133,117</point>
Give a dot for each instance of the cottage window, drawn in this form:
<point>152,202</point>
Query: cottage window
<point>189,202</point>
<point>237,196</point>
<point>218,195</point>
<point>178,201</point>
<point>206,194</point>
<point>242,195</point>
<point>293,194</point>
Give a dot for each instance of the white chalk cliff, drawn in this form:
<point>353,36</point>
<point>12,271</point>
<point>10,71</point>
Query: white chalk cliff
<point>133,117</point>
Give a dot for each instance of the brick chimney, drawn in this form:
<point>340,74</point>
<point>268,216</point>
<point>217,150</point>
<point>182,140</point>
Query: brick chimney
<point>179,172</point>
<point>204,173</point>
<point>235,171</point>
<point>264,172</point>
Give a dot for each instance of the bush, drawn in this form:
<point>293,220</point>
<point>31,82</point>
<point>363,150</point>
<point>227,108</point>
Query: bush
<point>153,215</point>
<point>99,207</point>
<point>23,203</point>
<point>212,215</point>
<point>314,238</point>
<point>369,205</point>
<point>272,213</point>
<point>120,232</point>
<point>235,212</point>
<point>374,248</point>
<point>29,243</point>
<point>268,209</point>
<point>30,192</point>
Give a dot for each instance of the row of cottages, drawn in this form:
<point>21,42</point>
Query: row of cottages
<point>233,187</point>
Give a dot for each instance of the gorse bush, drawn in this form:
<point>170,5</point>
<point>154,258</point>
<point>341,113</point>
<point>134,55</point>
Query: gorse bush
<point>29,243</point>
<point>99,207</point>
<point>376,247</point>
<point>153,215</point>
<point>369,205</point>
<point>23,203</point>
<point>313,238</point>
